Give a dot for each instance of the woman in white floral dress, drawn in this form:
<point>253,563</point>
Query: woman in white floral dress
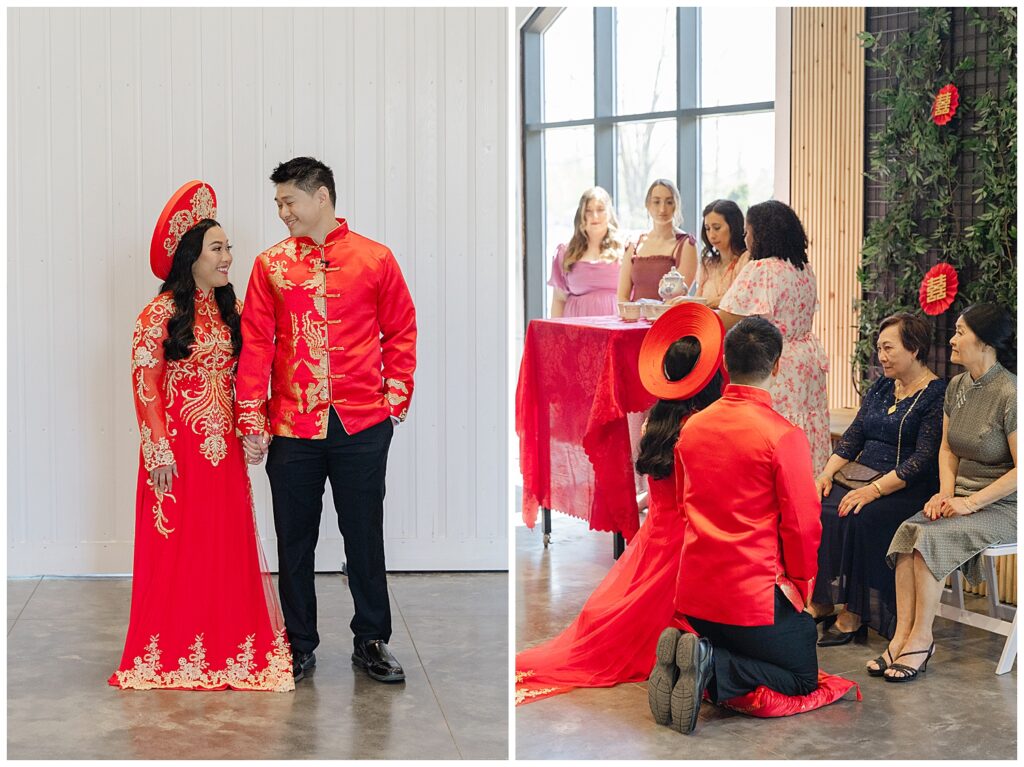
<point>779,285</point>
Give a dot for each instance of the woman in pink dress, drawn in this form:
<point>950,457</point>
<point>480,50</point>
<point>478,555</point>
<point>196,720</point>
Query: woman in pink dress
<point>585,272</point>
<point>656,252</point>
<point>613,639</point>
<point>779,285</point>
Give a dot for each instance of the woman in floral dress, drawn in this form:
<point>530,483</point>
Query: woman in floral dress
<point>779,285</point>
<point>204,615</point>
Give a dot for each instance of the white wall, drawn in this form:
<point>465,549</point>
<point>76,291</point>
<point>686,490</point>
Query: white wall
<point>110,110</point>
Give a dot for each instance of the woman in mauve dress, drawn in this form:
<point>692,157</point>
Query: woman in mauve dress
<point>653,254</point>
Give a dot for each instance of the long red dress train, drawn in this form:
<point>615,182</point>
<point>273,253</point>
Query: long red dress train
<point>614,637</point>
<point>204,614</point>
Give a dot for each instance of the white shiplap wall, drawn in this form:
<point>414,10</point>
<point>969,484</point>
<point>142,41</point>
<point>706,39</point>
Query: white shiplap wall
<point>110,110</point>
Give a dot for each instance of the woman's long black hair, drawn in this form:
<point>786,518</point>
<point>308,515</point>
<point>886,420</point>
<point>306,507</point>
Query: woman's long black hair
<point>181,327</point>
<point>656,454</point>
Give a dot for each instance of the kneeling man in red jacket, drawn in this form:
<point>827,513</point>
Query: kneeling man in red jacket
<point>750,551</point>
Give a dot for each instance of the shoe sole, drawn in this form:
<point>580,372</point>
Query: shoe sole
<point>663,676</point>
<point>359,663</point>
<point>684,702</point>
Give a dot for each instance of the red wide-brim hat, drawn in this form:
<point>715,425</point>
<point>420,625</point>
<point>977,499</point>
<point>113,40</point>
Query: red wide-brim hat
<point>689,319</point>
<point>187,207</point>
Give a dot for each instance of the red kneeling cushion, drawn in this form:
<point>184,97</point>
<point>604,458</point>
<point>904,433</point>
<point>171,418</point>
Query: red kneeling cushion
<point>764,702</point>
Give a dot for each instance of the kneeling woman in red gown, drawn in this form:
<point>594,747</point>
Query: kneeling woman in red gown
<point>613,639</point>
<point>203,615</point>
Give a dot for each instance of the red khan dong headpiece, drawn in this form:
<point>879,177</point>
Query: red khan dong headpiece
<point>187,207</point>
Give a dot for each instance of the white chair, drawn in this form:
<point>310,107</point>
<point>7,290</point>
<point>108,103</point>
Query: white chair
<point>1002,619</point>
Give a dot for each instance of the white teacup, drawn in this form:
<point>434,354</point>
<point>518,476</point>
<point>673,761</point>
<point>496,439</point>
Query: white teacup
<point>629,311</point>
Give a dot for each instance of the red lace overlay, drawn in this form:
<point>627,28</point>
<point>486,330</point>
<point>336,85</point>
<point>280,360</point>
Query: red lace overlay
<point>204,613</point>
<point>578,381</point>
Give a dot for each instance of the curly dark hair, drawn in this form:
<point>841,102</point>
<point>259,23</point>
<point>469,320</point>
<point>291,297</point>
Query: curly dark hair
<point>180,282</point>
<point>656,453</point>
<point>778,233</point>
<point>733,216</point>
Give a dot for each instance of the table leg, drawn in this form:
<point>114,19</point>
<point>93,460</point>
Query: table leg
<point>618,545</point>
<point>546,525</point>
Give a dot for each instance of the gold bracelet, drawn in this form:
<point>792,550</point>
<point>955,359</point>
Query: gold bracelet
<point>878,487</point>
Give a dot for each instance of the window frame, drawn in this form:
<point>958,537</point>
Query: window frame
<point>687,116</point>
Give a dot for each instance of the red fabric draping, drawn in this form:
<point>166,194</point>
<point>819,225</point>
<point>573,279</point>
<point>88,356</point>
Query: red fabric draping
<point>764,702</point>
<point>578,381</point>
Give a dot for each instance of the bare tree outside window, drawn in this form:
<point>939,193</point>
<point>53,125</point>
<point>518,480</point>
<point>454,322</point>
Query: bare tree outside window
<point>646,82</point>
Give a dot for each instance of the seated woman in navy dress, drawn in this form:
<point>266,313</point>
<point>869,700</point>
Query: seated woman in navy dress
<point>897,433</point>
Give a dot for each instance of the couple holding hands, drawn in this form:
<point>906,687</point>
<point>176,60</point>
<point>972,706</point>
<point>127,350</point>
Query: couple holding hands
<point>329,330</point>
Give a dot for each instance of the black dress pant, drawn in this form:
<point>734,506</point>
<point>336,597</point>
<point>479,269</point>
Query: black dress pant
<point>782,656</point>
<point>298,470</point>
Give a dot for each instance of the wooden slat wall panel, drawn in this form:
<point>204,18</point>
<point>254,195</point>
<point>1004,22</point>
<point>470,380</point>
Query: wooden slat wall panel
<point>111,109</point>
<point>826,173</point>
<point>1006,575</point>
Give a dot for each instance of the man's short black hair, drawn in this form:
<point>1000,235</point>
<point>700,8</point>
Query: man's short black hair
<point>752,348</point>
<point>308,174</point>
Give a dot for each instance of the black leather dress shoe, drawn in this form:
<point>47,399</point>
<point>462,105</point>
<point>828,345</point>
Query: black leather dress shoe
<point>833,637</point>
<point>693,657</point>
<point>380,664</point>
<point>303,663</point>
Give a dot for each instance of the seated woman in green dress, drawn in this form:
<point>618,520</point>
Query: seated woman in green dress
<point>976,506</point>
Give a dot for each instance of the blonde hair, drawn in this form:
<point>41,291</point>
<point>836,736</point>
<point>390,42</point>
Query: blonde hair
<point>611,245</point>
<point>677,216</point>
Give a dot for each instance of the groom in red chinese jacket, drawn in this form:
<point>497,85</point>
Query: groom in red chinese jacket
<point>750,550</point>
<point>330,329</point>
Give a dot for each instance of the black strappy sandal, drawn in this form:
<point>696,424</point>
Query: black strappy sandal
<point>908,674</point>
<point>882,664</point>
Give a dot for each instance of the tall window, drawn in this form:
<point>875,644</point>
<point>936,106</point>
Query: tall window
<point>621,96</point>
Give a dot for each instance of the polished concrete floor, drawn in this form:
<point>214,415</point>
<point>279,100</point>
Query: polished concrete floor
<point>959,709</point>
<point>65,637</point>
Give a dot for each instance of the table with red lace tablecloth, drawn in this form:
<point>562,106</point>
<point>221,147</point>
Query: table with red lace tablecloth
<point>578,383</point>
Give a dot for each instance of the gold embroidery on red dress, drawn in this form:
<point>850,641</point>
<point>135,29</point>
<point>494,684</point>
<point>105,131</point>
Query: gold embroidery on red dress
<point>239,672</point>
<point>155,454</point>
<point>147,339</point>
<point>522,695</point>
<point>159,518</point>
<point>204,380</point>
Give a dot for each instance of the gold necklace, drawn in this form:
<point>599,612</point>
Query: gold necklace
<point>896,399</point>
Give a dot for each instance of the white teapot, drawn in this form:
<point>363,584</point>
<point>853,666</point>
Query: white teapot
<point>672,285</point>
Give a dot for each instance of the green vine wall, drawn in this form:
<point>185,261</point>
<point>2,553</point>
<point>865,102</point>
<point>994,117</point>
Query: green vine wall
<point>919,166</point>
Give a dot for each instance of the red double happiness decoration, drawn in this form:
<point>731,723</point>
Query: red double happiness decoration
<point>938,289</point>
<point>945,104</point>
